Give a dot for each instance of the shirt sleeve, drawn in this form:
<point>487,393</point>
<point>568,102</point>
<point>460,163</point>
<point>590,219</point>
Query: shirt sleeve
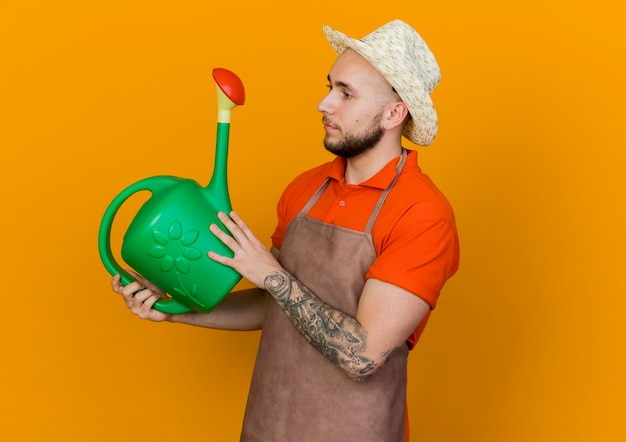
<point>420,253</point>
<point>279,231</point>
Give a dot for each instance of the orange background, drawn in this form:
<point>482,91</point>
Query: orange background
<point>527,343</point>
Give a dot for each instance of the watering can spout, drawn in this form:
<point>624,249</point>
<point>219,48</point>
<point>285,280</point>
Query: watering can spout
<point>230,93</point>
<point>217,189</point>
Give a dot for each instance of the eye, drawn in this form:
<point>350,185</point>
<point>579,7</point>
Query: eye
<point>344,91</point>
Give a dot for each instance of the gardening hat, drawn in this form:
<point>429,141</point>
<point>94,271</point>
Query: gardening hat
<point>401,55</point>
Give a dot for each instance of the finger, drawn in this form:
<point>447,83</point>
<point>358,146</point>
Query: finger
<point>224,237</point>
<point>134,274</point>
<point>230,225</point>
<point>125,291</point>
<point>236,225</point>
<point>246,232</point>
<point>145,282</point>
<point>240,223</point>
<point>221,259</point>
<point>115,284</point>
<point>146,310</point>
<point>150,300</point>
<point>142,302</point>
<point>131,289</point>
<point>143,298</point>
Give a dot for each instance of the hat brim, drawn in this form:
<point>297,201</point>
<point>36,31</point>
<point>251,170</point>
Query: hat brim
<point>422,128</point>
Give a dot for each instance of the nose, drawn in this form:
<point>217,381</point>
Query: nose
<point>324,106</point>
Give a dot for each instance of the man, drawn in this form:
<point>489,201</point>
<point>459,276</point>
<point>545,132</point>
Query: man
<point>363,246</point>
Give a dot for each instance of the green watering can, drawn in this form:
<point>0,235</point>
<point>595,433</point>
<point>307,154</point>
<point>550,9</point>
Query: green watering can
<point>168,239</point>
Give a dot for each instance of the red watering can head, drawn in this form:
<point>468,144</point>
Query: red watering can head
<point>230,84</point>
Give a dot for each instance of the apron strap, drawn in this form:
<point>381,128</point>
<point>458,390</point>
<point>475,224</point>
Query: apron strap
<point>383,197</point>
<point>316,196</point>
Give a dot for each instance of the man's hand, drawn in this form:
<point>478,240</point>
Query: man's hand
<point>140,296</point>
<point>252,259</point>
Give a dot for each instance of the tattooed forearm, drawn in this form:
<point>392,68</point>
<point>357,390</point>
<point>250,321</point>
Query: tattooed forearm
<point>336,335</point>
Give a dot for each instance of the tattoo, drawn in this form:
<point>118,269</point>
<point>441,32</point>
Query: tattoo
<point>339,337</point>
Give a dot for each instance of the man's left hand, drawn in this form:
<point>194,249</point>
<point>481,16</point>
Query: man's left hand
<point>251,258</point>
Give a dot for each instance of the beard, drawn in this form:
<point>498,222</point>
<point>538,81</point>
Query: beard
<point>353,145</point>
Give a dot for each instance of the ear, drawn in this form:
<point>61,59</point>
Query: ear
<point>396,114</point>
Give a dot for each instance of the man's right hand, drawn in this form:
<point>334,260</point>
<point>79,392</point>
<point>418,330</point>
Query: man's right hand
<point>140,295</point>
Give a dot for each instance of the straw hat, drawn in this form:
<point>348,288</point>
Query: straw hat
<point>401,55</point>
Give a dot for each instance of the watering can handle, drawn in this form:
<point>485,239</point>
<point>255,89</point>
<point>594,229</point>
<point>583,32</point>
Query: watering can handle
<point>152,184</point>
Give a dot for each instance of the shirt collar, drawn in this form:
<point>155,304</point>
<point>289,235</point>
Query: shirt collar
<point>381,180</point>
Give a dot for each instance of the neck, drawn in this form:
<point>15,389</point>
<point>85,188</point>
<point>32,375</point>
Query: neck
<point>362,167</point>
